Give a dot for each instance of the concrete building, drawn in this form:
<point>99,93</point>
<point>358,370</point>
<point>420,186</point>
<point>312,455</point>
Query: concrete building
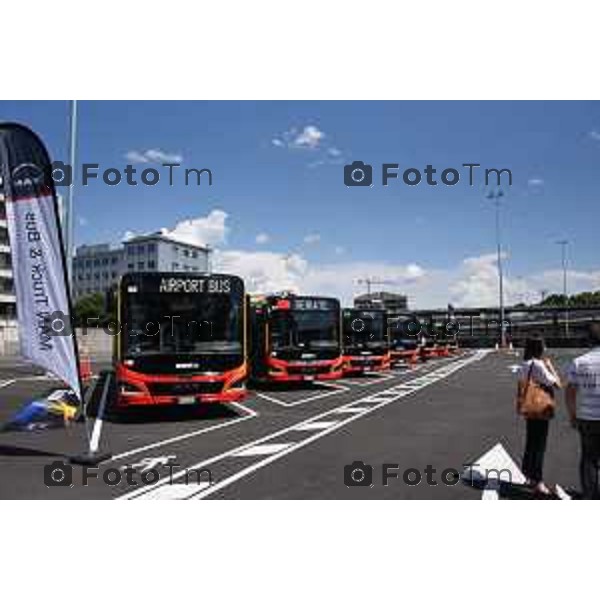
<point>393,303</point>
<point>98,267</point>
<point>8,316</point>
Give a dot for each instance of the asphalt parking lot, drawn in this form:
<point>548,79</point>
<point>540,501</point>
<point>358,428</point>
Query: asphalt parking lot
<point>293,443</point>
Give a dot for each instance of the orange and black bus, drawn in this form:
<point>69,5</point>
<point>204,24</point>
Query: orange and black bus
<point>182,339</point>
<point>366,340</point>
<point>296,338</point>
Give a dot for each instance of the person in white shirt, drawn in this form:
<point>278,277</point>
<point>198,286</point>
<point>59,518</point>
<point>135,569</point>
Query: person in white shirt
<point>541,370</point>
<point>583,404</point>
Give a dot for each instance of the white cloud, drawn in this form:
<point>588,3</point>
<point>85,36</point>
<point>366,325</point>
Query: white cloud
<point>128,235</point>
<point>595,135</point>
<point>82,221</point>
<point>153,155</point>
<point>262,238</point>
<point>535,181</point>
<point>472,282</point>
<point>312,238</point>
<point>309,137</point>
<point>339,250</point>
<point>211,230</point>
<point>263,272</point>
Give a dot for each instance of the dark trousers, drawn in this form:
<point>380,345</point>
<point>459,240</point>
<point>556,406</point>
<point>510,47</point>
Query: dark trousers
<point>589,432</point>
<point>535,448</point>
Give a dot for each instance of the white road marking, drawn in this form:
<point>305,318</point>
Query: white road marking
<point>350,410</point>
<point>315,425</point>
<point>291,447</point>
<point>250,414</point>
<point>492,467</point>
<point>377,378</point>
<point>176,491</point>
<point>490,492</point>
<point>7,382</point>
<point>151,462</point>
<point>497,464</point>
<point>337,389</point>
<point>261,449</point>
<point>560,492</point>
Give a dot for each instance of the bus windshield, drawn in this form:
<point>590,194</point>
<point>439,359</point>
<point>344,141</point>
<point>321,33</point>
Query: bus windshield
<point>182,323</point>
<point>364,328</point>
<point>315,329</point>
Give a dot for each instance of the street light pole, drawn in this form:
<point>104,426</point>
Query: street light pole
<point>69,221</point>
<point>564,246</point>
<point>495,196</point>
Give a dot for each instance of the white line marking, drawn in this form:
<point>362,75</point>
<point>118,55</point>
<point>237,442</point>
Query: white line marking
<point>490,492</point>
<point>250,414</point>
<point>261,449</point>
<point>560,492</point>
<point>176,491</point>
<point>315,425</point>
<point>337,389</point>
<point>376,400</point>
<point>291,447</point>
<point>350,410</point>
<point>7,383</point>
<point>377,378</point>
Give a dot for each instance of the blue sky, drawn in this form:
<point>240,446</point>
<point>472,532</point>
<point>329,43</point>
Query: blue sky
<point>278,174</point>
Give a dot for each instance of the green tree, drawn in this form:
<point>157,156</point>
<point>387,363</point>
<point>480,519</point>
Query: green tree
<point>91,306</point>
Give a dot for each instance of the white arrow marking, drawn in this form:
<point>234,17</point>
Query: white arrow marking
<point>492,467</point>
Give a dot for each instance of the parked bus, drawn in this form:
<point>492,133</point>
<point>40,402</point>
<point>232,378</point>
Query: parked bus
<point>404,344</point>
<point>366,340</point>
<point>182,339</point>
<point>296,338</point>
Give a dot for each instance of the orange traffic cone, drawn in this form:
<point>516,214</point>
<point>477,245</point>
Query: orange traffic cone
<point>85,365</point>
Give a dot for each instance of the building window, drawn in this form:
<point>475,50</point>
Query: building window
<point>175,266</point>
<point>151,264</point>
<point>88,263</point>
<point>152,247</point>
<point>114,260</point>
<point>141,249</point>
<point>186,252</point>
<point>130,266</point>
<point>194,254</point>
<point>141,265</point>
<point>105,261</point>
<point>96,275</point>
<point>113,274</point>
<point>97,262</point>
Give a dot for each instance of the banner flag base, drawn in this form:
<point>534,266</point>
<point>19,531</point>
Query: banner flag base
<point>92,457</point>
<point>89,459</point>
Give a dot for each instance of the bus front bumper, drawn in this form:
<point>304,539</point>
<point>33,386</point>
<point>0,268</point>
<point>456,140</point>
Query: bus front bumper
<point>137,389</point>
